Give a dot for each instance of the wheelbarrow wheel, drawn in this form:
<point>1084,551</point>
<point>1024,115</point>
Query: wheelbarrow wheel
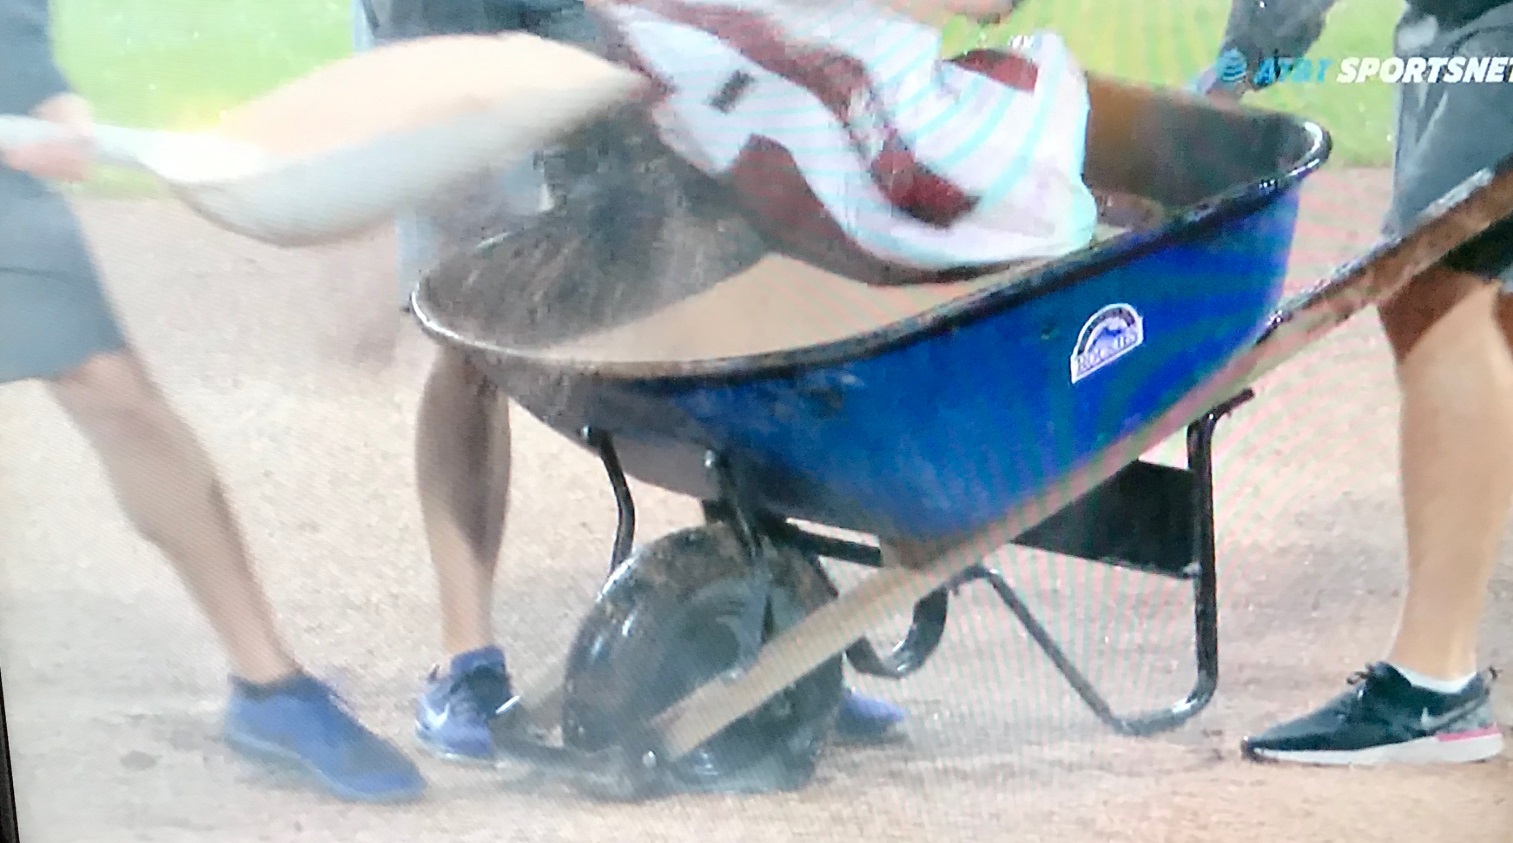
<point>669,621</point>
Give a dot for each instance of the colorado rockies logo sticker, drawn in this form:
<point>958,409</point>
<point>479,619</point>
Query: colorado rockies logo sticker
<point>1114,331</point>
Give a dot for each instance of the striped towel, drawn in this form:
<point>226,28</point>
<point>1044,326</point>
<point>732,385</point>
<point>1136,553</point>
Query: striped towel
<point>850,141</point>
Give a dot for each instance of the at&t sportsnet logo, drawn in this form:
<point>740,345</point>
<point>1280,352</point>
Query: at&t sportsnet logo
<point>1232,69</point>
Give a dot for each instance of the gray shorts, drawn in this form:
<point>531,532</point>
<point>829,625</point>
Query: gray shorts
<point>1448,131</point>
<point>423,236</point>
<point>54,314</point>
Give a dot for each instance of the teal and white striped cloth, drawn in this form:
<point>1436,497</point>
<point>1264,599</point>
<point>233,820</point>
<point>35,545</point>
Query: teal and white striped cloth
<point>840,121</point>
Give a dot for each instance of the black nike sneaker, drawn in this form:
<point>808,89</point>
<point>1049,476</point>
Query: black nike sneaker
<point>1385,719</point>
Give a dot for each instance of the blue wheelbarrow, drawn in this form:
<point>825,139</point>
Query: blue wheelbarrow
<point>939,421</point>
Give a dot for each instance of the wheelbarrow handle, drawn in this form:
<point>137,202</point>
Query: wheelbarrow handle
<point>113,145</point>
<point>181,159</point>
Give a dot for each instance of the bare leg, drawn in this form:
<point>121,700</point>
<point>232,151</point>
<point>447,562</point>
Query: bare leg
<point>1456,375</point>
<point>1426,703</point>
<point>168,488</point>
<point>463,473</point>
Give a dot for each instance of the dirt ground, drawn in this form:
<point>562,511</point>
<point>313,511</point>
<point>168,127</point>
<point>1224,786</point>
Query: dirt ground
<point>302,378</point>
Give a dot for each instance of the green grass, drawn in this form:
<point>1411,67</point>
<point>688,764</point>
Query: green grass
<point>178,63</point>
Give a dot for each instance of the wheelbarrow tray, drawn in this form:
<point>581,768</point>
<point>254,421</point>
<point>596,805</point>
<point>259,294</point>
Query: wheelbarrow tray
<point>927,410</point>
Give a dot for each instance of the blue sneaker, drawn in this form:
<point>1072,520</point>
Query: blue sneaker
<point>864,719</point>
<point>454,711</point>
<point>300,723</point>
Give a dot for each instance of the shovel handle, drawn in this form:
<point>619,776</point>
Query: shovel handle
<point>113,145</point>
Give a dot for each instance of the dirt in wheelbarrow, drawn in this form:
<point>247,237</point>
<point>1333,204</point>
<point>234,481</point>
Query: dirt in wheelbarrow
<point>302,379</point>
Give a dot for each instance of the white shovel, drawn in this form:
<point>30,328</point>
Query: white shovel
<point>344,147</point>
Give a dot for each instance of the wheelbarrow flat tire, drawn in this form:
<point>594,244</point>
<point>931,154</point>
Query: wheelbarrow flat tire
<point>665,624</point>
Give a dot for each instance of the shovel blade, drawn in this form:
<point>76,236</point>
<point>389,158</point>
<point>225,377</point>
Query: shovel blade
<point>358,140</point>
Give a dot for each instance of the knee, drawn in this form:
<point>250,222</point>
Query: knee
<point>151,456</point>
<point>455,373</point>
<point>111,397</point>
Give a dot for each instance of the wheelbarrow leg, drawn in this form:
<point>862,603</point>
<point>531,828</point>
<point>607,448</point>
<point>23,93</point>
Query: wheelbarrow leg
<point>1144,545</point>
<point>625,505</point>
<point>1200,461</point>
<point>735,509</point>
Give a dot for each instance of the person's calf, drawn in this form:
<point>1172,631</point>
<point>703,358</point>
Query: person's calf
<point>1427,703</point>
<point>149,454</point>
<point>1456,375</point>
<point>462,476</point>
<point>169,490</point>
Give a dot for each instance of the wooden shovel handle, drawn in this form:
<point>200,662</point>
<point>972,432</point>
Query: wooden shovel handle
<point>113,145</point>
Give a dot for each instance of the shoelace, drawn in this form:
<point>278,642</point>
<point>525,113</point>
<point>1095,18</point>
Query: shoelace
<point>480,687</point>
<point>1492,674</point>
<point>1358,679</point>
<point>1356,707</point>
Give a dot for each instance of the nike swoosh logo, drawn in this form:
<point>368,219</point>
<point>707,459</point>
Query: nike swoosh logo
<point>434,720</point>
<point>1434,724</point>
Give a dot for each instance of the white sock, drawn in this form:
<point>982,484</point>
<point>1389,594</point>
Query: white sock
<point>1439,686</point>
